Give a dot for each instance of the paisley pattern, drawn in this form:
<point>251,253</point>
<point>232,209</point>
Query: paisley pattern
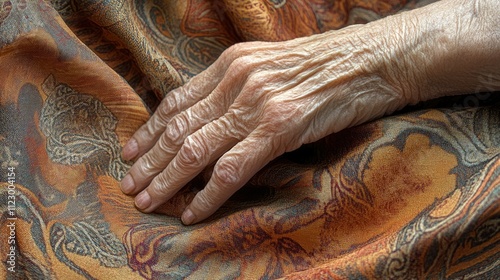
<point>413,195</point>
<point>79,127</point>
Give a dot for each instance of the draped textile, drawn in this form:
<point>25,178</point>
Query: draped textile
<point>412,195</point>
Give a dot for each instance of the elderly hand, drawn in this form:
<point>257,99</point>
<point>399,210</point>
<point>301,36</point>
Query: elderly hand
<point>260,100</point>
<point>256,102</point>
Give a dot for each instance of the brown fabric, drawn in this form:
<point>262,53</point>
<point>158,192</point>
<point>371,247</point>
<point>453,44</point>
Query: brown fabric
<point>413,195</point>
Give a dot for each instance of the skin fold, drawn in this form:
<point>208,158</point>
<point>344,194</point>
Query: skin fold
<point>260,100</point>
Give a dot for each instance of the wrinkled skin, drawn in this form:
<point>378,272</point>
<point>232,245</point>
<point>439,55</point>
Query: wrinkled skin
<point>260,100</point>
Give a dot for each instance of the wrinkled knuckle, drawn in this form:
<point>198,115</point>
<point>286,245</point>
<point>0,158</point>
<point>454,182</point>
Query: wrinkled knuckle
<point>225,173</point>
<point>159,187</point>
<point>151,128</point>
<point>235,124</point>
<point>193,153</point>
<point>146,166</point>
<point>165,107</point>
<point>166,146</point>
<point>187,92</point>
<point>206,107</point>
<point>281,111</point>
<point>255,82</point>
<point>176,128</point>
<point>241,65</point>
<point>273,111</point>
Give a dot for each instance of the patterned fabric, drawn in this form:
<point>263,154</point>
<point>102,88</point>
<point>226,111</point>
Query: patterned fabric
<point>413,195</point>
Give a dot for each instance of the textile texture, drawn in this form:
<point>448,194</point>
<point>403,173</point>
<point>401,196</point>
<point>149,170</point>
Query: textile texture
<point>412,195</point>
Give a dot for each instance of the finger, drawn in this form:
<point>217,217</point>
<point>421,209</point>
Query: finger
<point>231,172</point>
<point>177,130</point>
<point>198,150</point>
<point>174,102</point>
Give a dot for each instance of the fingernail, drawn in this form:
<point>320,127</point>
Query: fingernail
<point>187,217</point>
<point>143,200</point>
<point>130,150</point>
<point>127,184</point>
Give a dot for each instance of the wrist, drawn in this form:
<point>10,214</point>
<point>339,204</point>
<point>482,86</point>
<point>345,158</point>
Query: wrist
<point>445,48</point>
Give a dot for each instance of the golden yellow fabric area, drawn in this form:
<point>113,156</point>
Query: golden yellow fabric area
<point>413,195</point>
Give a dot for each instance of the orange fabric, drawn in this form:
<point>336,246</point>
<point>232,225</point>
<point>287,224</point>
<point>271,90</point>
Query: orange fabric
<point>413,195</point>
